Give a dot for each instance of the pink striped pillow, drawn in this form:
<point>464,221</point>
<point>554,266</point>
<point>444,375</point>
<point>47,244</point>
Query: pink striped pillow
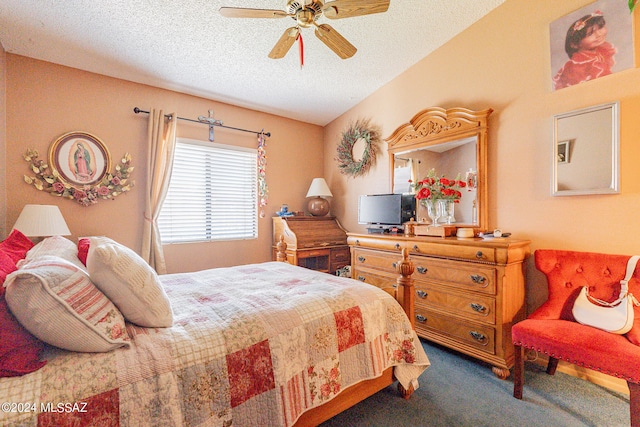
<point>56,301</point>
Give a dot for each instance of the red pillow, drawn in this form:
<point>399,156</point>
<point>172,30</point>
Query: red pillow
<point>19,350</point>
<point>83,250</point>
<point>7,265</point>
<point>16,245</point>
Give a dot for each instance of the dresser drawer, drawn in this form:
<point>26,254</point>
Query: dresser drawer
<point>471,253</point>
<point>473,306</point>
<point>379,279</point>
<point>377,243</point>
<point>476,336</point>
<point>384,261</point>
<point>464,276</point>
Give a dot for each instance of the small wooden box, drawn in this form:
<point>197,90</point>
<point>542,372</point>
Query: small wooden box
<point>430,230</point>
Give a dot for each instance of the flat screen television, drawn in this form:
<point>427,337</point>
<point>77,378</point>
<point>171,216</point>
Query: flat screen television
<point>386,209</point>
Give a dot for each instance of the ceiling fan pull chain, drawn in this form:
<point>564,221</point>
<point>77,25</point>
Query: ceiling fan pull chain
<point>301,47</point>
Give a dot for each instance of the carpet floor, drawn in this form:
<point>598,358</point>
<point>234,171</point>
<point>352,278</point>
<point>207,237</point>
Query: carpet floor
<point>457,390</point>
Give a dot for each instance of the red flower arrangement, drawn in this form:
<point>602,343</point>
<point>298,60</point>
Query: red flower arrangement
<point>439,188</point>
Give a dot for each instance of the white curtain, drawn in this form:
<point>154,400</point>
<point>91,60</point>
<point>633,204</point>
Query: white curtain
<point>160,151</point>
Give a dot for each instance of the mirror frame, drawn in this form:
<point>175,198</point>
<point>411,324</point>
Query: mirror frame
<point>614,184</point>
<point>437,125</point>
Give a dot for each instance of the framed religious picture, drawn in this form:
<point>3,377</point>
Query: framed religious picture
<point>80,159</point>
<point>592,42</point>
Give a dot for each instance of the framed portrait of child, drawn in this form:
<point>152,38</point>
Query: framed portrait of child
<point>592,42</point>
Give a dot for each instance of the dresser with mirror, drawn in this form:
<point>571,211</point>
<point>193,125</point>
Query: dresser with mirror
<point>468,291</point>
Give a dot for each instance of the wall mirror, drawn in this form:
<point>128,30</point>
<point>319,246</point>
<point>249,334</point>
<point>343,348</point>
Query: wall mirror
<point>454,143</point>
<point>586,151</point>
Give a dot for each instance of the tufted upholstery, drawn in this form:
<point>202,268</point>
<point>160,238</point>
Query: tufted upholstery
<point>552,330</point>
<point>568,271</point>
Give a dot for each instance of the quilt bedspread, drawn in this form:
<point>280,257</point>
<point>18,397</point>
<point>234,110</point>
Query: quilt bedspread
<point>251,345</point>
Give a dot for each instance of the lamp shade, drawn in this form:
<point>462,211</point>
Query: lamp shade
<point>319,188</point>
<point>41,221</point>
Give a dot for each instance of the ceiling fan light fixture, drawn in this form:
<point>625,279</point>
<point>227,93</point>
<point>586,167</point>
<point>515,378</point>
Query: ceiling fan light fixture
<point>306,13</point>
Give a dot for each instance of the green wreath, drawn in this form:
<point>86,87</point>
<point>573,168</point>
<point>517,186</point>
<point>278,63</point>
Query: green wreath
<point>361,129</point>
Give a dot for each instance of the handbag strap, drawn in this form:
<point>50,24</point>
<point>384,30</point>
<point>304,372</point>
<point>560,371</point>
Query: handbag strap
<point>624,285</point>
<point>631,267</point>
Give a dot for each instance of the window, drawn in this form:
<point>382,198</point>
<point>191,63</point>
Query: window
<point>212,194</point>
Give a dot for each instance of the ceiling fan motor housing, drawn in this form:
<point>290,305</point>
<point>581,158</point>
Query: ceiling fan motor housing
<point>305,14</point>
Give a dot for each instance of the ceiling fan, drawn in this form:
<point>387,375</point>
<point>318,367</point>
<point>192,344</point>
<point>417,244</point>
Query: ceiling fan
<point>306,13</point>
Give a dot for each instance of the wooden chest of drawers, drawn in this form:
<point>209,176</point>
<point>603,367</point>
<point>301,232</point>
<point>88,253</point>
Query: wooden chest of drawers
<point>469,292</point>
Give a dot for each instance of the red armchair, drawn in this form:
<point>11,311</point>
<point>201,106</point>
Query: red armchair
<point>552,330</point>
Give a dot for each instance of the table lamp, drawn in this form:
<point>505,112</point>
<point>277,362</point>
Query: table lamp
<point>41,221</point>
<point>318,206</point>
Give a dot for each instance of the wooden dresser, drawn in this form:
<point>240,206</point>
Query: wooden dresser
<point>318,243</point>
<point>469,292</point>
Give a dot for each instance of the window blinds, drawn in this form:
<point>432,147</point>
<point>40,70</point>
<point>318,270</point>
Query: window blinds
<point>212,194</point>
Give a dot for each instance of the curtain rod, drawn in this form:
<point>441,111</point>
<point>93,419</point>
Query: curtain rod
<point>207,121</point>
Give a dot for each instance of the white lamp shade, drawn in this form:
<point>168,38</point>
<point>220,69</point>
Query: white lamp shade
<point>319,188</point>
<point>41,221</point>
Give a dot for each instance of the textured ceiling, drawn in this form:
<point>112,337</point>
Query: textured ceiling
<point>189,47</point>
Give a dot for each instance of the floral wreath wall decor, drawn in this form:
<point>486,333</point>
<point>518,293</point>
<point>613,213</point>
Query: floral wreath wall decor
<point>79,169</point>
<point>361,130</point>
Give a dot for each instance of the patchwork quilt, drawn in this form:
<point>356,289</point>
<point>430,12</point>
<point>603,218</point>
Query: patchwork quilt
<point>253,345</point>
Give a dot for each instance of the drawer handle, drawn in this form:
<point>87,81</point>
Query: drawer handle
<point>478,336</point>
<point>357,242</point>
<point>397,246</point>
<point>479,255</point>
<point>361,278</point>
<point>416,248</point>
<point>478,307</point>
<point>420,318</point>
<point>394,265</point>
<point>422,270</point>
<point>477,278</point>
<point>422,294</point>
<point>361,258</point>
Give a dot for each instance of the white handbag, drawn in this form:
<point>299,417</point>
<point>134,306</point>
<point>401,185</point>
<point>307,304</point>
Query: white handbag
<point>615,317</point>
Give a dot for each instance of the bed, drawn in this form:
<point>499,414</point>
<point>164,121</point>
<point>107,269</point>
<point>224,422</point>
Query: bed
<point>260,344</point>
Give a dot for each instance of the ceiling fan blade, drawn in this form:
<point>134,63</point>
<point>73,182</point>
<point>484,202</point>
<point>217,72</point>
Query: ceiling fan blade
<point>239,12</point>
<point>284,43</point>
<point>347,8</point>
<point>335,41</point>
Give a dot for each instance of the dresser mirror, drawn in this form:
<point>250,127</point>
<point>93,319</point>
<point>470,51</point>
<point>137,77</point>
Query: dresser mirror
<point>454,143</point>
<point>586,151</point>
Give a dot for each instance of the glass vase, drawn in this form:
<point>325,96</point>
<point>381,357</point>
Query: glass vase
<point>434,211</point>
<point>447,209</point>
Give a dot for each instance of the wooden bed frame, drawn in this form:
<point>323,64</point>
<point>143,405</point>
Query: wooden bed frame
<point>404,293</point>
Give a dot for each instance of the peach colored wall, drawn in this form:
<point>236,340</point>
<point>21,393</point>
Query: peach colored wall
<point>503,62</point>
<point>45,100</point>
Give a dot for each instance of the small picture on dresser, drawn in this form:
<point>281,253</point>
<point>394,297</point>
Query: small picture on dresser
<point>592,42</point>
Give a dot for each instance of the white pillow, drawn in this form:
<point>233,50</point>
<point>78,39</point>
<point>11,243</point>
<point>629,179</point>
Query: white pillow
<point>58,246</point>
<point>56,301</point>
<point>128,281</point>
